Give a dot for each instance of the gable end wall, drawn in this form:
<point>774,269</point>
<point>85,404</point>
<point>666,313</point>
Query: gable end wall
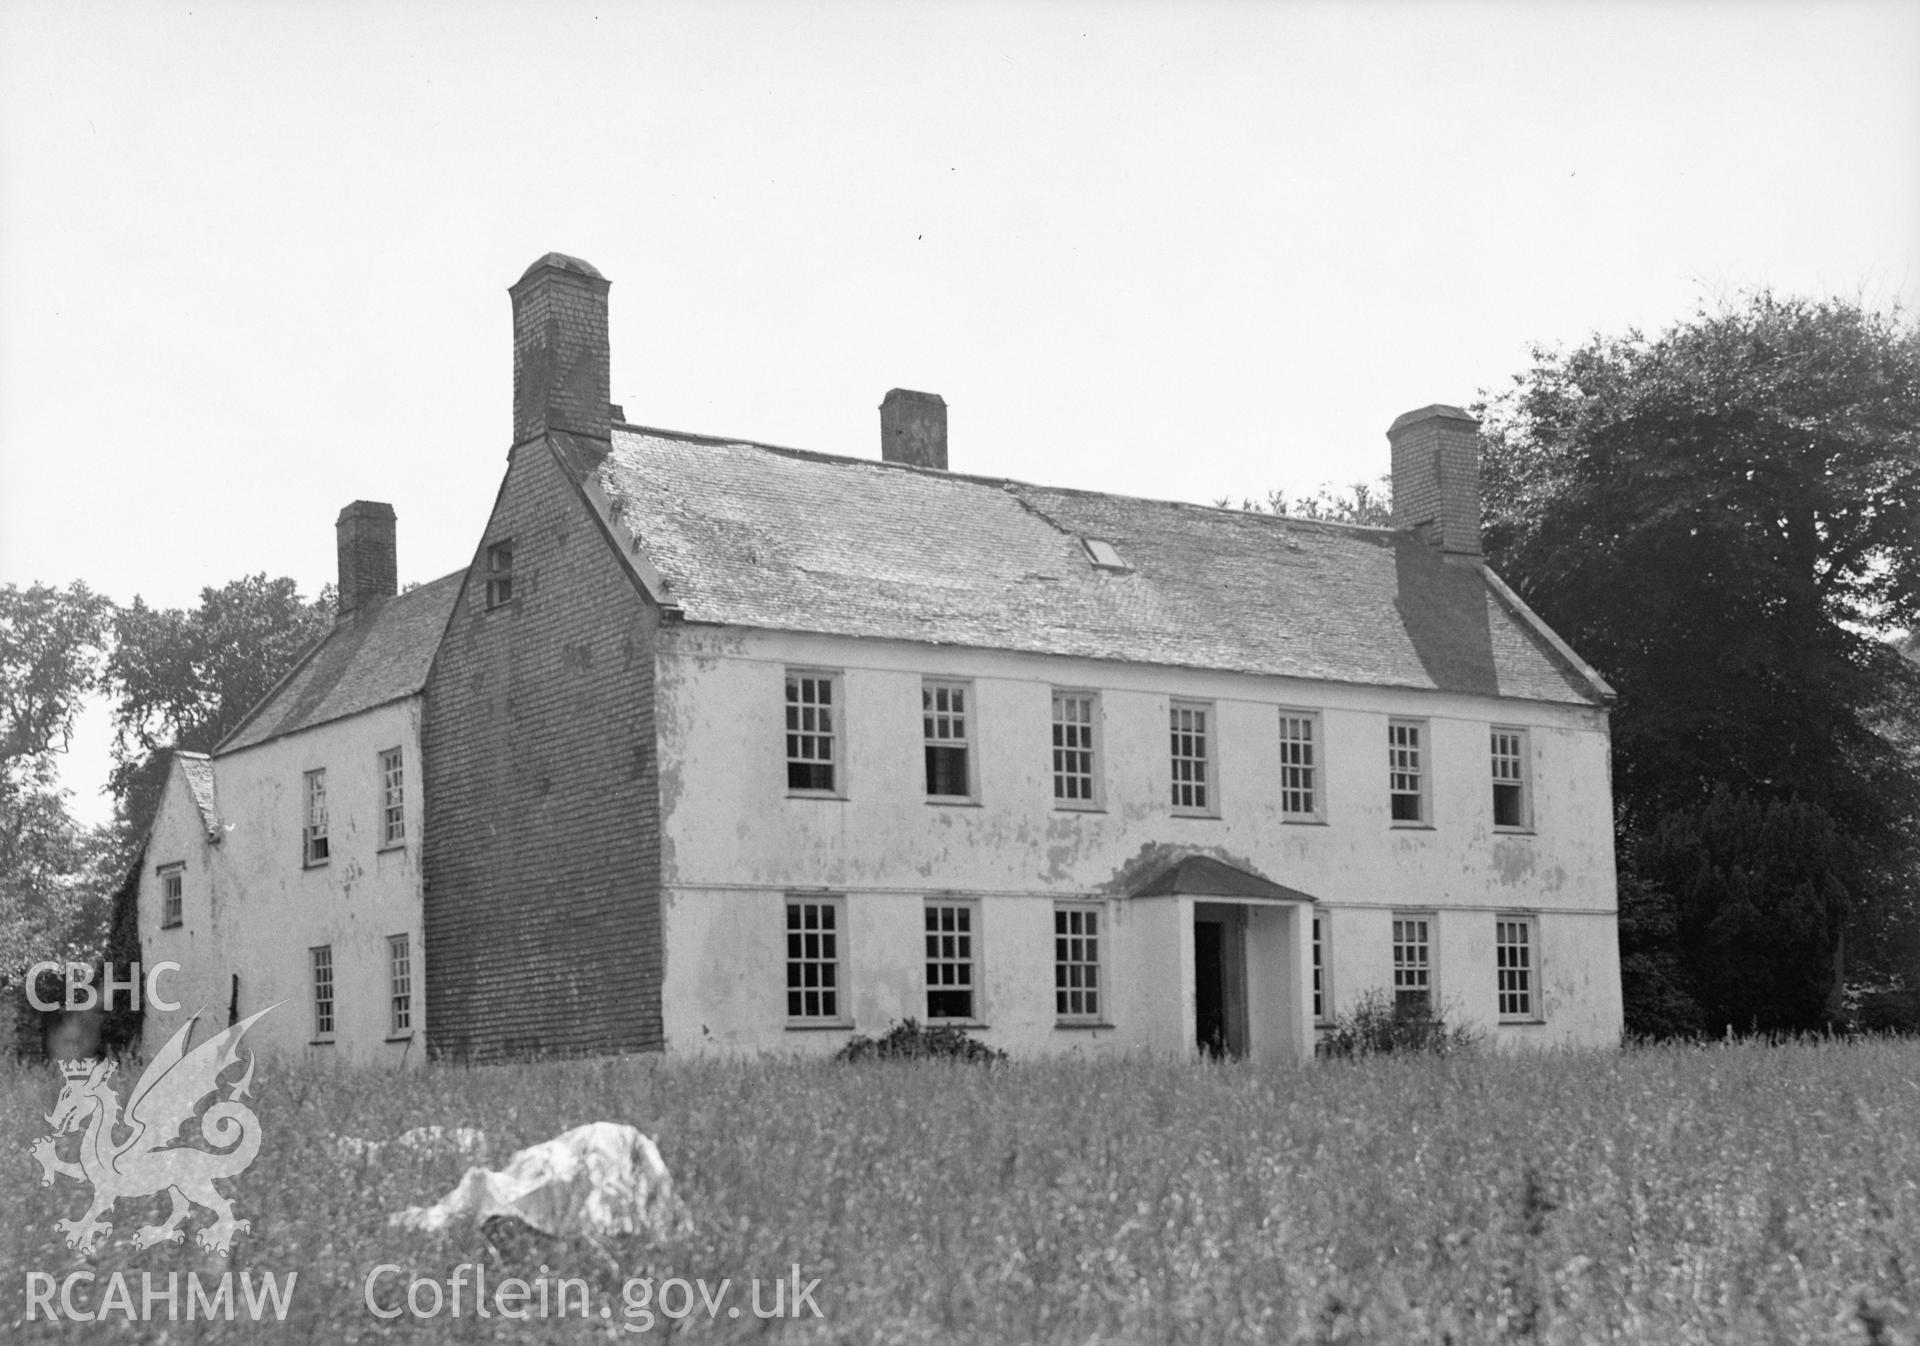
<point>542,849</point>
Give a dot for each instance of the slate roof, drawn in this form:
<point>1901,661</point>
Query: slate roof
<point>751,535</point>
<point>380,654</point>
<point>198,772</point>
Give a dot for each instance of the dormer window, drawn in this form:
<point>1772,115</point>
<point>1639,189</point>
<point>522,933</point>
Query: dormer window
<point>500,574</point>
<point>1101,552</point>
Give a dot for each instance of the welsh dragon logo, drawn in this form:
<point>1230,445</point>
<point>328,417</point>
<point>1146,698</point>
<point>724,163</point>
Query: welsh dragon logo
<point>148,1160</point>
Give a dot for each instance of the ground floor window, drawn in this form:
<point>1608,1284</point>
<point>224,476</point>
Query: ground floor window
<point>1412,963</point>
<point>1076,963</point>
<point>815,926</point>
<point>400,985</point>
<point>1513,945</point>
<point>951,959</point>
<point>322,991</point>
<point>1322,997</point>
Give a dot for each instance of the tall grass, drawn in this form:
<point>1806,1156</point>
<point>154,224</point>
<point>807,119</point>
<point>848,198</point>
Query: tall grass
<point>1740,1193</point>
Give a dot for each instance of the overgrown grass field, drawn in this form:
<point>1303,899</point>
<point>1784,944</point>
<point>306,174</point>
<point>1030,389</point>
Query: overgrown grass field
<point>1727,1194</point>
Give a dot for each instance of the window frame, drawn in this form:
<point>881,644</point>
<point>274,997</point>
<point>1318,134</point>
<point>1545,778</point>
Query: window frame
<point>976,1015</point>
<point>326,1008</point>
<point>1422,771</point>
<point>1405,970</point>
<point>1321,933</point>
<point>842,1017</point>
<point>1522,760</point>
<point>968,742</point>
<point>1208,759</point>
<point>836,734</point>
<point>499,577</point>
<point>173,894</point>
<point>399,987</point>
<point>393,798</point>
<point>1095,799</point>
<point>1528,924</point>
<point>1098,985</point>
<point>316,842</point>
<point>1315,766</point>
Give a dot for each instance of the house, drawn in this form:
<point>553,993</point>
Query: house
<point>736,748</point>
<point>285,866</point>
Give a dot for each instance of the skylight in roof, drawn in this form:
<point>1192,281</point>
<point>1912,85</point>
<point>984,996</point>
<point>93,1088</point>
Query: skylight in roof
<point>1103,555</point>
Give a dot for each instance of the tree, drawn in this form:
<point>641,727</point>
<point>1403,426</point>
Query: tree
<point>1725,519</point>
<point>50,647</point>
<point>185,678</point>
<point>1363,503</point>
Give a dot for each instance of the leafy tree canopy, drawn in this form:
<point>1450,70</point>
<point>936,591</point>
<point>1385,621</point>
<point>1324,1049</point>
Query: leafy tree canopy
<point>184,678</point>
<point>1726,521</point>
<point>1363,502</point>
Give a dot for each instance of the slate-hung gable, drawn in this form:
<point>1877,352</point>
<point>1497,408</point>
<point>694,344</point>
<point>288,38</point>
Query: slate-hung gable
<point>731,747</point>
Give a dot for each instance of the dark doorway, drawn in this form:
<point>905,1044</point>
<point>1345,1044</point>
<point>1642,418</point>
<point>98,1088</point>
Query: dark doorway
<point>1219,985</point>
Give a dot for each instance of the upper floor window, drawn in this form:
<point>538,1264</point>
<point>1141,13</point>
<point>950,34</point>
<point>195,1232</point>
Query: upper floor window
<point>1299,766</point>
<point>1192,747</point>
<point>813,733</point>
<point>500,574</point>
<point>172,889</point>
<point>814,957</point>
<point>1074,779</point>
<point>945,721</point>
<point>393,799</point>
<point>313,833</point>
<point>399,985</point>
<point>1412,963</point>
<point>1406,771</point>
<point>952,965</point>
<point>1510,779</point>
<point>322,955</point>
<point>1513,941</point>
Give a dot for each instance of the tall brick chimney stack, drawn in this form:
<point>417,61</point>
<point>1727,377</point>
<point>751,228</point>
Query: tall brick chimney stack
<point>368,569</point>
<point>1436,476</point>
<point>913,428</point>
<point>560,361</point>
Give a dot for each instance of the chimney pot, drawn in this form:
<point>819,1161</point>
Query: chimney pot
<point>560,359</point>
<point>1436,475</point>
<point>364,533</point>
<point>913,428</point>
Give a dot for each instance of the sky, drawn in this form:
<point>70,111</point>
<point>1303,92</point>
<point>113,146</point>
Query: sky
<point>254,258</point>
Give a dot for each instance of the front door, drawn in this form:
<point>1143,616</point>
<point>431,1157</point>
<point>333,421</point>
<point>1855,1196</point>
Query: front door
<point>1219,983</point>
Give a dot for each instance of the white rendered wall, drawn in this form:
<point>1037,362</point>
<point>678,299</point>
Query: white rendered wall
<point>733,842</point>
<point>253,908</point>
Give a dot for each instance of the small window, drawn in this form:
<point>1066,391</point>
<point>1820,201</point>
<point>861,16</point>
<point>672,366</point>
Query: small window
<point>813,732</point>
<point>1513,943</point>
<point>1103,554</point>
<point>172,891</point>
<point>814,960</point>
<point>1191,761</point>
<point>1076,963</point>
<point>945,719</point>
<point>1510,779</point>
<point>1322,990</point>
<point>1074,778</point>
<point>1406,773</point>
<point>951,960</point>
<point>1412,964</point>
<point>500,574</point>
<point>314,845</point>
<point>1299,766</point>
<point>393,799</point>
<point>400,985</point>
<point>323,992</point>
